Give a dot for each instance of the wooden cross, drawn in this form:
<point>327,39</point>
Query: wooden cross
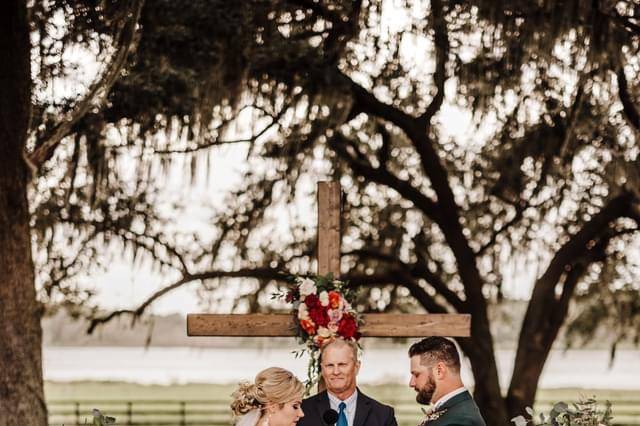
<point>374,325</point>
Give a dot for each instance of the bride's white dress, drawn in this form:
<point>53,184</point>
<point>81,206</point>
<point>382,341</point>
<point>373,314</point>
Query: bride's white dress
<point>249,419</point>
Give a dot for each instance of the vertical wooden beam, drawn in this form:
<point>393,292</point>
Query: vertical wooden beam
<point>328,235</point>
<point>329,228</point>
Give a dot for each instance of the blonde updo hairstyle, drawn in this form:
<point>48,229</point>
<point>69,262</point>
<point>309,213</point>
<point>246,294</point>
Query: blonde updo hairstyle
<point>273,385</point>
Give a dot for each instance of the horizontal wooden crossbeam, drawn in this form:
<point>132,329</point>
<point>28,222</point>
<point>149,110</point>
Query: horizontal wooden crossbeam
<point>375,325</point>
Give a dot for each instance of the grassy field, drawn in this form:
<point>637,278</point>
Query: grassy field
<point>104,395</point>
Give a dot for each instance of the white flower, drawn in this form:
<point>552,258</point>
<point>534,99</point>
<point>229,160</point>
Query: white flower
<point>324,298</point>
<point>519,421</point>
<point>333,327</point>
<point>303,312</point>
<point>324,332</point>
<point>307,287</point>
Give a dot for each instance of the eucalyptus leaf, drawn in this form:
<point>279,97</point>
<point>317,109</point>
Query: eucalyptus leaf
<point>519,421</point>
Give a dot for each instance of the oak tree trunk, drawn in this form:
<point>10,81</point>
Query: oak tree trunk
<point>21,390</point>
<point>480,350</point>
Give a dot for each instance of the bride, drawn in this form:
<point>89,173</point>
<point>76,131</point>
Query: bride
<point>273,399</point>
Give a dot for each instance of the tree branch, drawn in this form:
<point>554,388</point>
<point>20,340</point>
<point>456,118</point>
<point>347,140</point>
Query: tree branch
<point>135,238</point>
<point>441,41</point>
<point>445,214</point>
<point>383,176</point>
<point>520,208</point>
<point>577,246</point>
<point>628,107</point>
<point>626,22</point>
<point>547,312</point>
<point>61,272</point>
<point>421,270</point>
<point>215,142</point>
<point>401,278</point>
<point>385,150</point>
<point>417,270</point>
<point>97,92</point>
<point>343,27</point>
<point>366,102</point>
<point>262,273</point>
<point>319,10</point>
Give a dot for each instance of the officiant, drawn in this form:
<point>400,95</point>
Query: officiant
<point>339,366</point>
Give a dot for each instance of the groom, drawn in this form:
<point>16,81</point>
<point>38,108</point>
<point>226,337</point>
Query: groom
<point>339,366</point>
<point>435,376</point>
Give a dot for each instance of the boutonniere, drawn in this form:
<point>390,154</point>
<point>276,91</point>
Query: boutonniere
<point>431,415</point>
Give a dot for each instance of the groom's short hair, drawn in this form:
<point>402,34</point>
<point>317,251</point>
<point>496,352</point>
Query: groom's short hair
<point>436,349</point>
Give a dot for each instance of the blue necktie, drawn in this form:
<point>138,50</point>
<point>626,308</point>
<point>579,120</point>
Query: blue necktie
<point>342,417</point>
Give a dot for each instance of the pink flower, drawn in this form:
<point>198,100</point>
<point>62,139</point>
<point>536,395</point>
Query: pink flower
<point>335,315</point>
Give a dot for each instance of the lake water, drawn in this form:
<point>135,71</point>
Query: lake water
<point>177,365</point>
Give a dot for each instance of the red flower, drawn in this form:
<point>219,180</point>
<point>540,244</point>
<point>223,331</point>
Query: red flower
<point>348,328</point>
<point>334,299</point>
<point>292,295</point>
<point>308,326</point>
<point>319,315</point>
<point>312,301</point>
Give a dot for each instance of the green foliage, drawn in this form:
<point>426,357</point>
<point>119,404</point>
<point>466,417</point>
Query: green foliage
<point>586,412</point>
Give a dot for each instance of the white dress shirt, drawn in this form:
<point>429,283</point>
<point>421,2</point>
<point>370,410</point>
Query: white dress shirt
<point>447,397</point>
<point>349,410</point>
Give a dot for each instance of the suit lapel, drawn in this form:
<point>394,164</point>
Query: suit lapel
<point>363,406</point>
<point>322,403</point>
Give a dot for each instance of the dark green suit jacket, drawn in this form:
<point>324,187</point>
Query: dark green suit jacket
<point>461,410</point>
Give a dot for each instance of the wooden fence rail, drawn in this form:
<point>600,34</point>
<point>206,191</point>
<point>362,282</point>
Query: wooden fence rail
<point>141,412</point>
<point>212,412</point>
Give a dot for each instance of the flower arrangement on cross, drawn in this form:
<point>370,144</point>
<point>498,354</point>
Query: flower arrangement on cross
<point>323,311</point>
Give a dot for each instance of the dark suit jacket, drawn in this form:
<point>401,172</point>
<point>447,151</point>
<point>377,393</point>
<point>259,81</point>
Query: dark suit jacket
<point>369,412</point>
<point>461,410</point>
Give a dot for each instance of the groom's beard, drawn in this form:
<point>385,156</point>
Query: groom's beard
<point>425,394</point>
